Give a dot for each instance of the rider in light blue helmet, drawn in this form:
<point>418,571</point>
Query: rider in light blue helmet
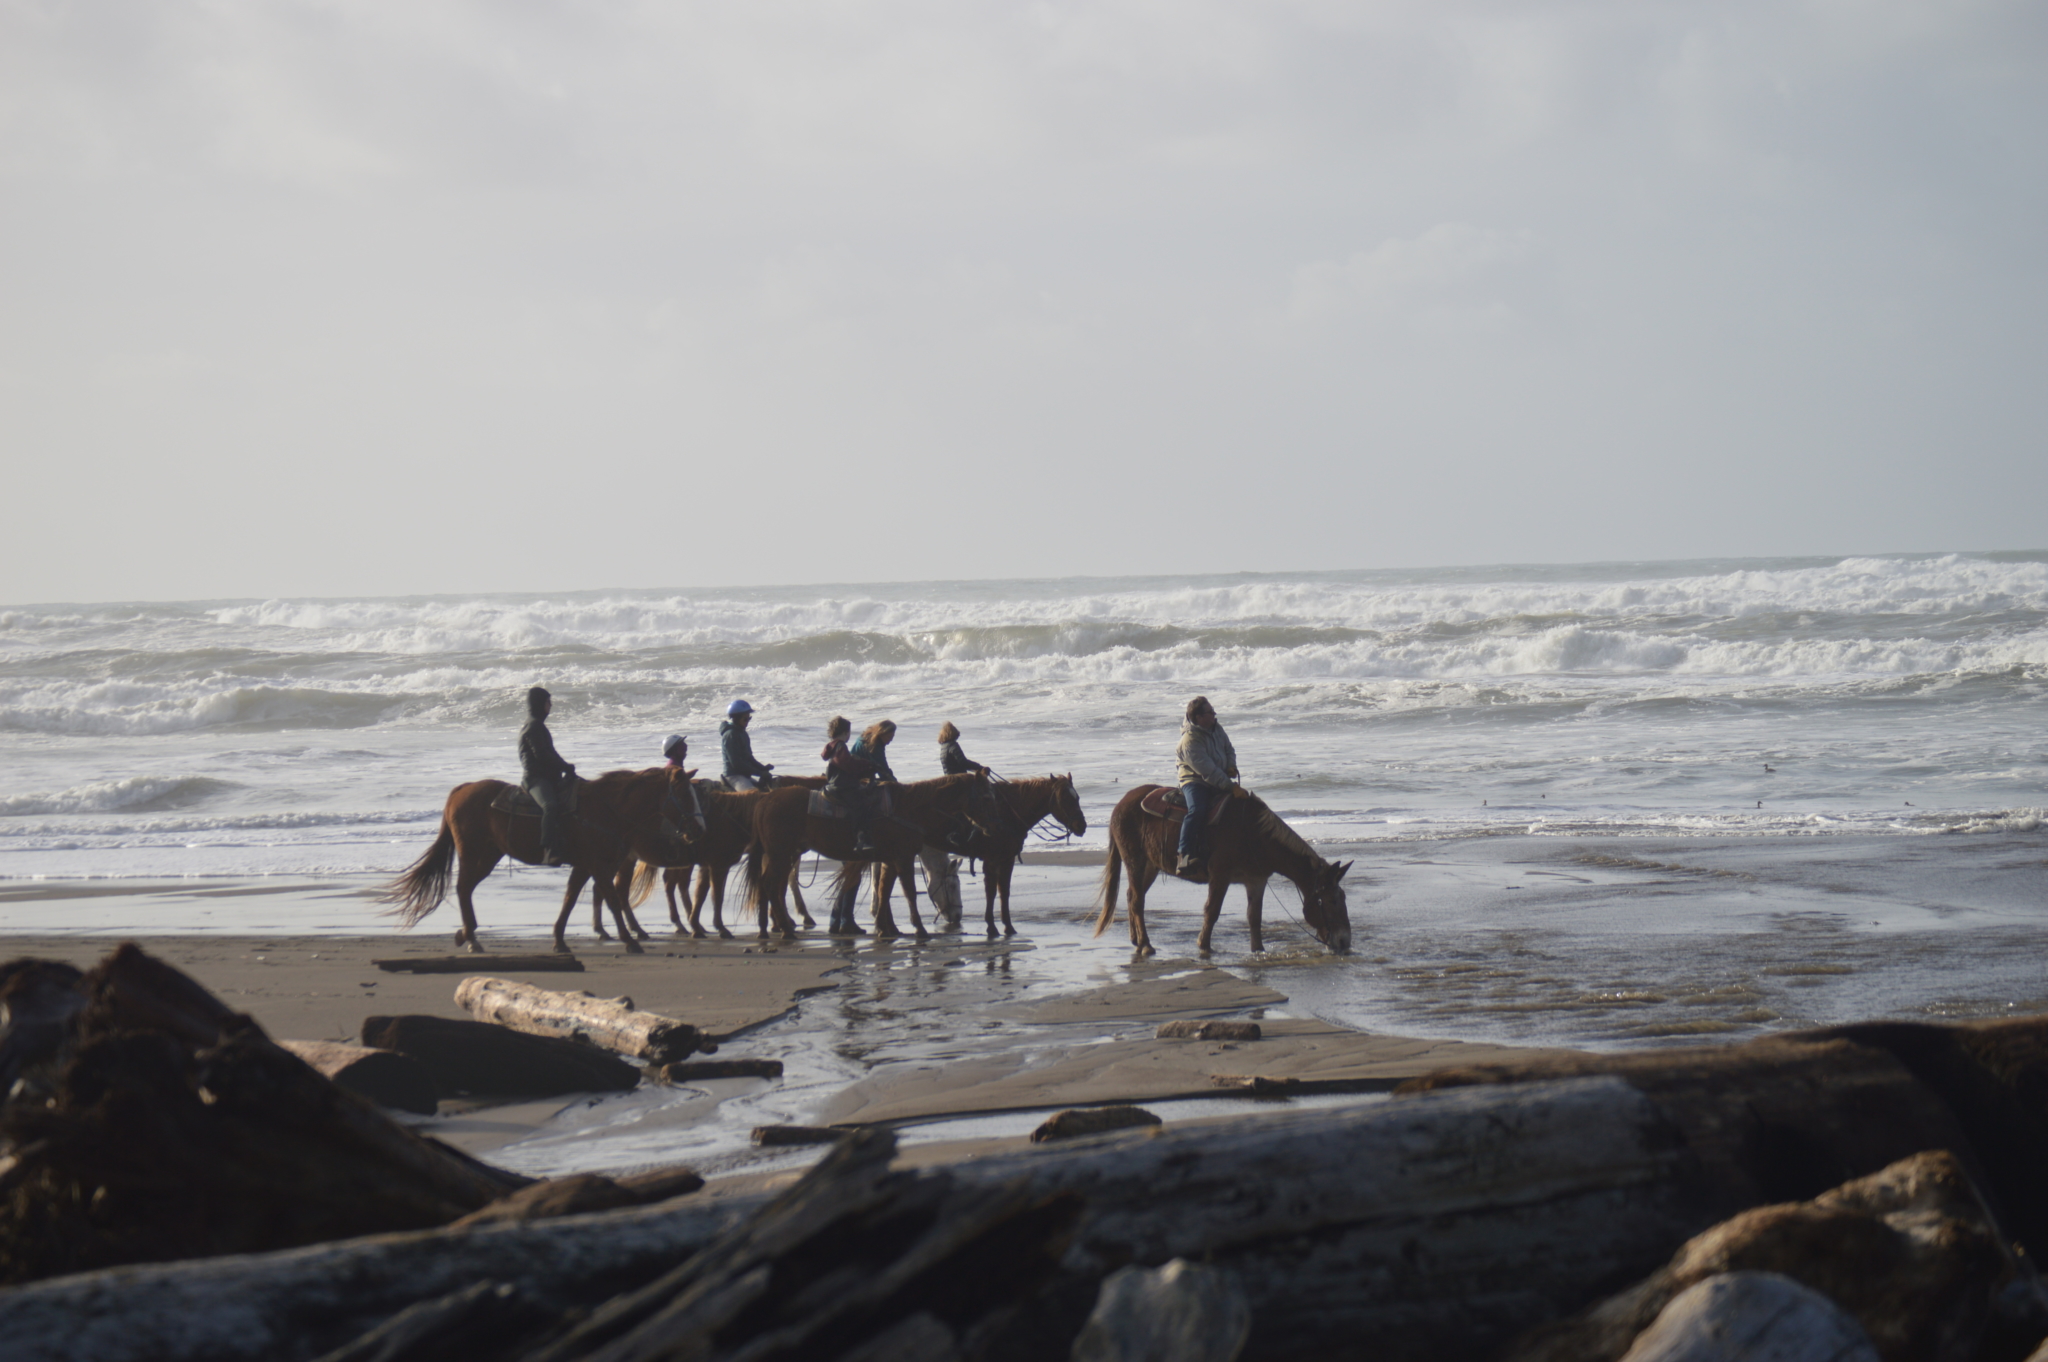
<point>742,772</point>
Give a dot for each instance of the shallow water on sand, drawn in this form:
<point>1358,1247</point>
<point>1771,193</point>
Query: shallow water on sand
<point>1594,944</point>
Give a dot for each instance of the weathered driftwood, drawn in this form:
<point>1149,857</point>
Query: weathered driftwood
<point>293,1306</point>
<point>1182,1312</point>
<point>168,1126</point>
<point>1752,1317</point>
<point>700,1070</point>
<point>1067,1125</point>
<point>466,964</point>
<point>1207,1030</point>
<point>613,1023</point>
<point>582,1193</point>
<point>841,1265</point>
<point>1910,1252</point>
<point>489,1061</point>
<point>383,1076</point>
<point>774,1135</point>
<point>1979,1089</point>
<point>483,1320</point>
<point>1258,1085</point>
<point>1443,1224</point>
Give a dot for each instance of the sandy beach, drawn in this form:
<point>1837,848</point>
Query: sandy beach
<point>1465,948</point>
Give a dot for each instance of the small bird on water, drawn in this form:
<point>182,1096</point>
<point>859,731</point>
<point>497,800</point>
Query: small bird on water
<point>1769,769</point>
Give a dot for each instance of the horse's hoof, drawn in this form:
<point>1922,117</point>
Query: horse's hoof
<point>634,948</point>
<point>1009,931</point>
<point>475,949</point>
<point>923,936</point>
<point>994,935</point>
<point>723,934</point>
<point>562,948</point>
<point>643,936</point>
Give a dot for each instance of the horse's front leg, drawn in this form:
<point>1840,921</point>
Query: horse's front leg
<point>700,891</point>
<point>1008,929</point>
<point>1254,910</point>
<point>669,888</point>
<point>988,890</point>
<point>1212,909</point>
<point>908,875</point>
<point>623,916</point>
<point>714,881</point>
<point>884,916</point>
<point>596,905</point>
<point>577,879</point>
<point>623,887</point>
<point>778,907</point>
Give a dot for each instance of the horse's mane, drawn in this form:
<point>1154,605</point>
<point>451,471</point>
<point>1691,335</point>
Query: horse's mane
<point>1270,824</point>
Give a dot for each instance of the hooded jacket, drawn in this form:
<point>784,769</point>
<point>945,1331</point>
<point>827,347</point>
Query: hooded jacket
<point>738,750</point>
<point>1205,756</point>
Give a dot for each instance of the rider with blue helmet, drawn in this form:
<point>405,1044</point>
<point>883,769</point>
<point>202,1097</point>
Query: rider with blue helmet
<point>742,772</point>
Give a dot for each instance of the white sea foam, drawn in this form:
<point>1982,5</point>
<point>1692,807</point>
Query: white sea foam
<point>1636,697</point>
<point>134,794</point>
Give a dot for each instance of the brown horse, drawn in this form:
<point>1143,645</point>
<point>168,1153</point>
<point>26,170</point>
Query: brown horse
<point>1248,845</point>
<point>1020,805</point>
<point>784,828</point>
<point>728,828</point>
<point>620,815</point>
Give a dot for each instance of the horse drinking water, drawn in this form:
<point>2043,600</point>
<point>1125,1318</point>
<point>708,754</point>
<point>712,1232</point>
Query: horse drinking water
<point>1248,845</point>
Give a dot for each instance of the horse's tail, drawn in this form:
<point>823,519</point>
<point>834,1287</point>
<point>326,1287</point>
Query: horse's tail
<point>424,884</point>
<point>1112,874</point>
<point>643,883</point>
<point>757,892</point>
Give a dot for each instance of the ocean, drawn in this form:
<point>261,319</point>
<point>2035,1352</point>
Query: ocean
<point>1576,795</point>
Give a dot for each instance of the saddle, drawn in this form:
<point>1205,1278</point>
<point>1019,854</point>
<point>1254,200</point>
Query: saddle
<point>1166,801</point>
<point>516,801</point>
<point>823,805</point>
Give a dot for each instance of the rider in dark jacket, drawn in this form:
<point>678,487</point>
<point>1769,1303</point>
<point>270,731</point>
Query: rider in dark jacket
<point>952,761</point>
<point>845,776</point>
<point>742,772</point>
<point>546,776</point>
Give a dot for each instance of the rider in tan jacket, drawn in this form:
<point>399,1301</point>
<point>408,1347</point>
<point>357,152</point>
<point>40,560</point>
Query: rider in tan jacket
<point>1206,765</point>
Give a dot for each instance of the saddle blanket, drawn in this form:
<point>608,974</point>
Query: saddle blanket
<point>1166,801</point>
<point>516,801</point>
<point>822,806</point>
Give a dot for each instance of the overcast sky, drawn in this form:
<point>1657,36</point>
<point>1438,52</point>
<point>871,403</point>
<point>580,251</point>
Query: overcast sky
<point>303,297</point>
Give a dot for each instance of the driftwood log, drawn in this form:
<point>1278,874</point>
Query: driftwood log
<point>290,1307</point>
<point>165,1125</point>
<point>1443,1224</point>
<point>703,1070</point>
<point>613,1023</point>
<point>382,1076</point>
<point>489,1061</point>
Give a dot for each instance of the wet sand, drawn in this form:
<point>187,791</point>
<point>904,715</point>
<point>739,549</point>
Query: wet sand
<point>312,988</point>
<point>1462,948</point>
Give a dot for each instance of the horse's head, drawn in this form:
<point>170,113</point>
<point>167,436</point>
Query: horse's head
<point>1324,909</point>
<point>681,808</point>
<point>1066,805</point>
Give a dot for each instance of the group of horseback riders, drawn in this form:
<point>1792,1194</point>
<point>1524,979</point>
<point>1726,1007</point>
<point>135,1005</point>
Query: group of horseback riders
<point>1205,766</point>
<point>854,767</point>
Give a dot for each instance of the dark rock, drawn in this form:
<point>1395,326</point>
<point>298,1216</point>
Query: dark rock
<point>486,1060</point>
